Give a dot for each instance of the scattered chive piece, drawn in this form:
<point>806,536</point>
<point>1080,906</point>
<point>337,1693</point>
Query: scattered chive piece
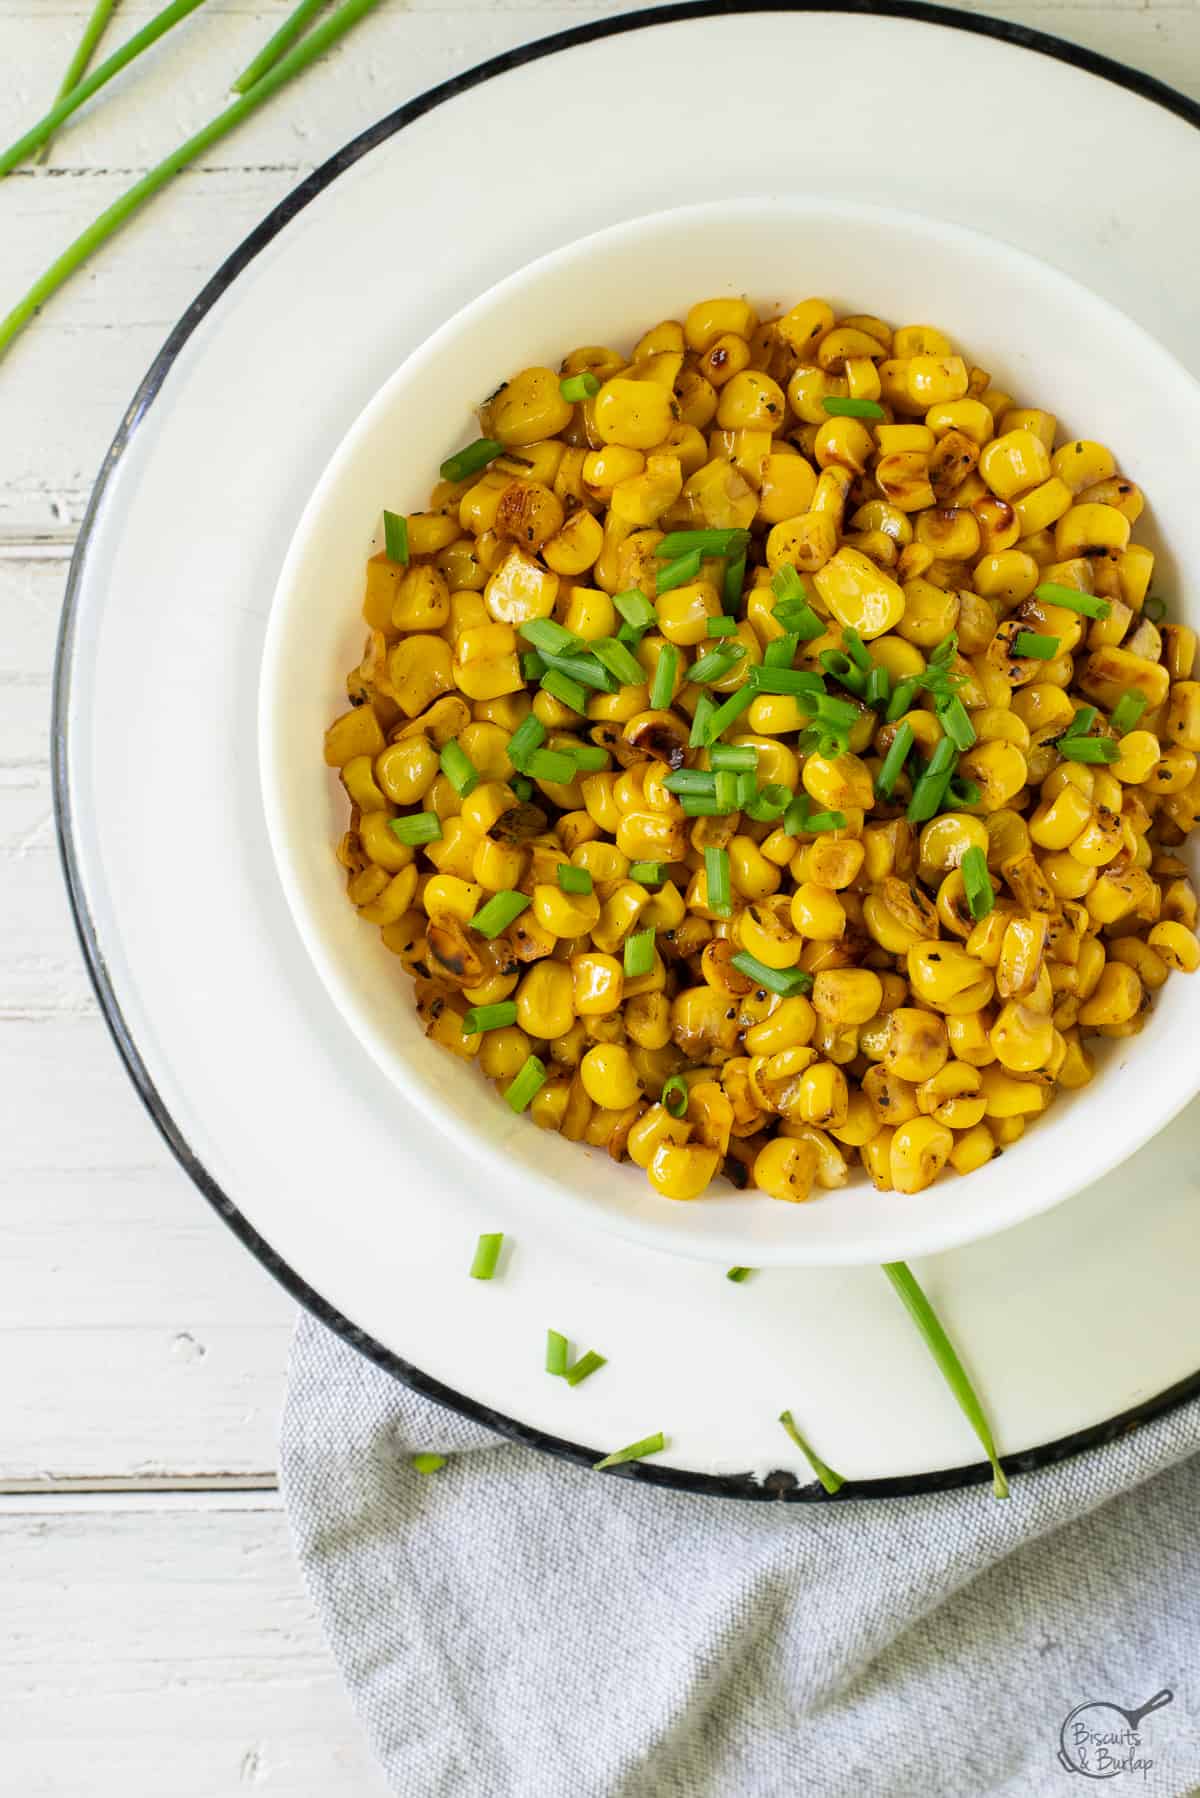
<point>490,1017</point>
<point>631,635</point>
<point>742,757</point>
<point>723,717</point>
<point>1083,721</point>
<point>427,1462</point>
<point>832,1482</point>
<point>715,664</point>
<point>487,1254</point>
<point>1088,749</point>
<point>786,680</point>
<point>418,827</point>
<point>648,874</point>
<point>589,757</point>
<point>962,792</point>
<point>981,895</point>
<point>850,408</point>
<point>395,536</point>
<point>522,788</point>
<point>579,387</point>
<point>709,543</point>
<point>784,981</point>
<point>635,609</point>
<point>662,687</point>
<point>735,580</point>
<point>529,735</point>
<point>469,461</point>
<point>532,666</point>
<point>856,649</point>
<point>747,787</point>
<point>1035,645</point>
<point>674,1095</point>
<point>901,700</point>
<point>459,769</point>
<point>1127,711</point>
<point>955,721</point>
<point>781,652</point>
<point>563,687</point>
<point>584,669</point>
<point>619,661</point>
<point>549,637</point>
<point>677,573</point>
<point>717,881</point>
<point>551,765</point>
<point>949,1365</point>
<point>558,1353</point>
<point>839,666</point>
<point>879,687</point>
<point>769,803</point>
<point>1154,609</point>
<point>943,653</point>
<point>639,954</point>
<point>706,708</point>
<point>738,1274</point>
<point>498,912</point>
<point>798,818</point>
<point>586,1364</point>
<point>787,586</point>
<point>724,626</point>
<point>1053,595</point>
<point>893,761</point>
<point>573,880</point>
<point>529,1081</point>
<point>702,805</point>
<point>690,780</point>
<point>798,616</point>
<point>929,790</point>
<point>726,793</point>
<point>836,712</point>
<point>637,1451</point>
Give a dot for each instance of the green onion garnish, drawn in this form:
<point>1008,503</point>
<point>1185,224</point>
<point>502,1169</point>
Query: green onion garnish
<point>951,1368</point>
<point>582,667</point>
<point>706,708</point>
<point>741,757</point>
<point>1088,749</point>
<point>459,769</point>
<point>879,687</point>
<point>787,982</point>
<point>708,543</point>
<point>620,663</point>
<point>832,1482</point>
<point>552,765</point>
<point>787,586</point>
<point>726,790</point>
<point>637,1451</point>
<point>781,651</point>
<point>981,895</point>
<point>630,635</point>
<point>490,1017</point>
<point>418,827</point>
<point>720,720</point>
<point>639,954</point>
<point>1035,645</point>
<point>901,701</point>
<point>838,665</point>
<point>856,649</point>
<point>498,912</point>
<point>553,639</point>
<point>558,1353</point>
<point>674,1095</point>
<point>1127,711</point>
<point>702,805</point>
<point>565,688</point>
<point>528,1082</point>
<point>635,608</point>
<point>715,664</point>
<point>893,761</point>
<point>532,666</point>
<point>1053,595</point>
<point>943,653</point>
<point>769,803</point>
<point>487,1253</point>
<point>529,735</point>
<point>735,580</point>
<point>586,1364</point>
<point>662,687</point>
<point>787,680</point>
<point>690,780</point>
<point>648,874</point>
<point>1083,721</point>
<point>427,1462</point>
<point>849,408</point>
<point>738,1274</point>
<point>579,387</point>
<point>835,713</point>
<point>677,573</point>
<point>1154,609</point>
<point>589,757</point>
<point>798,616</point>
<point>395,536</point>
<point>930,788</point>
<point>522,788</point>
<point>469,461</point>
<point>956,722</point>
<point>723,626</point>
<point>962,793</point>
<point>573,880</point>
<point>798,818</point>
<point>717,880</point>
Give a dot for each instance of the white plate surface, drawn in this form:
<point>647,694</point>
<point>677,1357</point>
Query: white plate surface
<point>1067,1321</point>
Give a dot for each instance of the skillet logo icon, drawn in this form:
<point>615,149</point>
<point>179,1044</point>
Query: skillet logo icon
<point>1101,1739</point>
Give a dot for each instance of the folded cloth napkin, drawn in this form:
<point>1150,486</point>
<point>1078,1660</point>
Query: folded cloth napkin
<point>517,1627</point>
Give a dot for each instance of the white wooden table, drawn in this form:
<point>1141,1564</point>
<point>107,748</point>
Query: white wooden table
<point>155,1635</point>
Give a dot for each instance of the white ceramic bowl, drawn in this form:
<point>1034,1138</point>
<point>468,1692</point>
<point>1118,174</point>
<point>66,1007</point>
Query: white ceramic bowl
<point>1045,339</point>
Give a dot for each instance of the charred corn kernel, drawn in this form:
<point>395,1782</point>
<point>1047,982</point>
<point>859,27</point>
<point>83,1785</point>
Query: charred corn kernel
<point>635,414</point>
<point>503,1053</point>
<point>598,985</point>
<point>1117,996</point>
<point>1008,576</point>
<point>604,469</point>
<point>655,1127</point>
<point>920,340</point>
<point>832,1170</point>
<point>969,1037</point>
<point>930,613</point>
<point>362,790</point>
<point>1081,462</point>
<point>1182,729</point>
<point>683,614</point>
<point>939,972</point>
<point>529,513</point>
<point>710,319</point>
<point>609,1078</point>
<point>1013,463</point>
<point>829,862</point>
<point>1124,496</point>
<point>1180,657</point>
<point>919,1152</point>
<point>1022,1038</point>
<point>650,836</point>
<point>788,485</point>
<point>957,1080</point>
<point>876,1157</point>
<point>917,1044</point>
<point>1090,530</point>
<point>1179,903</point>
<point>545,1000</point>
<point>1176,945</point>
<point>1045,710</point>
<point>648,1020</point>
<point>860,1123</point>
<point>789,1026</point>
<point>840,784</point>
<point>520,590</point>
<point>750,873</point>
<point>968,416</point>
<point>903,479</point>
<point>786,1169</point>
<point>355,734</point>
<point>998,769</point>
<point>1042,506</point>
<point>527,408</point>
<point>390,905</point>
<point>682,1171</point>
<point>1150,967</point>
<point>972,1150</point>
<point>1100,841</point>
<point>1140,755</point>
<point>767,933</point>
<point>1008,1097</point>
<point>951,532</point>
<point>751,401</point>
<point>446,896</point>
<point>803,327</point>
<point>498,867</point>
<point>817,913</point>
<point>935,380</point>
<point>847,996</point>
<point>945,840</point>
<point>590,614</point>
<point>823,1095</point>
<point>1078,1066</point>
<point>1058,821</point>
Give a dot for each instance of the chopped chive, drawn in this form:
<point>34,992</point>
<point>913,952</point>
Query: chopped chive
<point>558,1353</point>
<point>747,786</point>
<point>838,665</point>
<point>619,661</point>
<point>798,818</point>
<point>635,609</point>
<point>956,722</point>
<point>639,954</point>
<point>582,668</point>
<point>545,635</point>
<point>832,1482</point>
<point>893,761</point>
<point>1154,609</point>
<point>786,680</point>
<point>631,635</point>
<point>717,881</point>
<point>856,649</point>
<point>589,757</point>
<point>1036,645</point>
<point>529,735</point>
<point>552,765</point>
<point>787,982</point>
<point>648,874</point>
<point>735,580</point>
<point>962,793</point>
<point>418,827</point>
<point>716,664</point>
<point>943,653</point>
<point>573,880</point>
<point>981,895</point>
<point>901,701</point>
<point>787,586</point>
<point>562,687</point>
<point>769,803</point>
<point>723,626</point>
<point>677,573</point>
<point>395,536</point>
<point>690,780</point>
<point>674,1095</point>
<point>637,1451</point>
<point>709,543</point>
<point>469,461</point>
<point>851,408</point>
<point>1052,594</point>
<point>490,1017</point>
<point>662,687</point>
<point>427,1462</point>
<point>741,757</point>
<point>529,1081</point>
<point>586,1364</point>
<point>738,1274</point>
<point>726,793</point>
<point>1088,749</point>
<point>702,805</point>
<point>1127,711</point>
<point>459,769</point>
<point>522,788</point>
<point>705,711</point>
<point>798,616</point>
<point>532,666</point>
<point>930,788</point>
<point>879,687</point>
<point>1083,721</point>
<point>498,912</point>
<point>951,1368</point>
<point>487,1254</point>
<point>781,651</point>
<point>724,716</point>
<point>835,712</point>
<point>579,387</point>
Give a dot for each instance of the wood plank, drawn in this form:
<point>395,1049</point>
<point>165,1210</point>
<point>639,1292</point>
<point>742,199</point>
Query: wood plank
<point>166,1645</point>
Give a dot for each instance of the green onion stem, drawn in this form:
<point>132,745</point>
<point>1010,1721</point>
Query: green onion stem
<point>487,1254</point>
<point>832,1482</point>
<point>637,1451</point>
<point>738,1274</point>
<point>558,1353</point>
<point>77,68</point>
<point>293,26</point>
<point>586,1364</point>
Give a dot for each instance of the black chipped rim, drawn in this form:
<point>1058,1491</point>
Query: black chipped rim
<point>744,1486</point>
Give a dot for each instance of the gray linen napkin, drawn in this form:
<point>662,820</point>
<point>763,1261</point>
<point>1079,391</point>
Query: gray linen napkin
<point>516,1627</point>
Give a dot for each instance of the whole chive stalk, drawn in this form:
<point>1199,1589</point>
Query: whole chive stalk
<point>637,1451</point>
<point>487,1254</point>
<point>294,63</point>
<point>77,68</point>
<point>949,1365</point>
<point>832,1482</point>
<point>294,26</point>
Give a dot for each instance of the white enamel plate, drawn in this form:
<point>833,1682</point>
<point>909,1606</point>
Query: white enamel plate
<point>1073,1324</point>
